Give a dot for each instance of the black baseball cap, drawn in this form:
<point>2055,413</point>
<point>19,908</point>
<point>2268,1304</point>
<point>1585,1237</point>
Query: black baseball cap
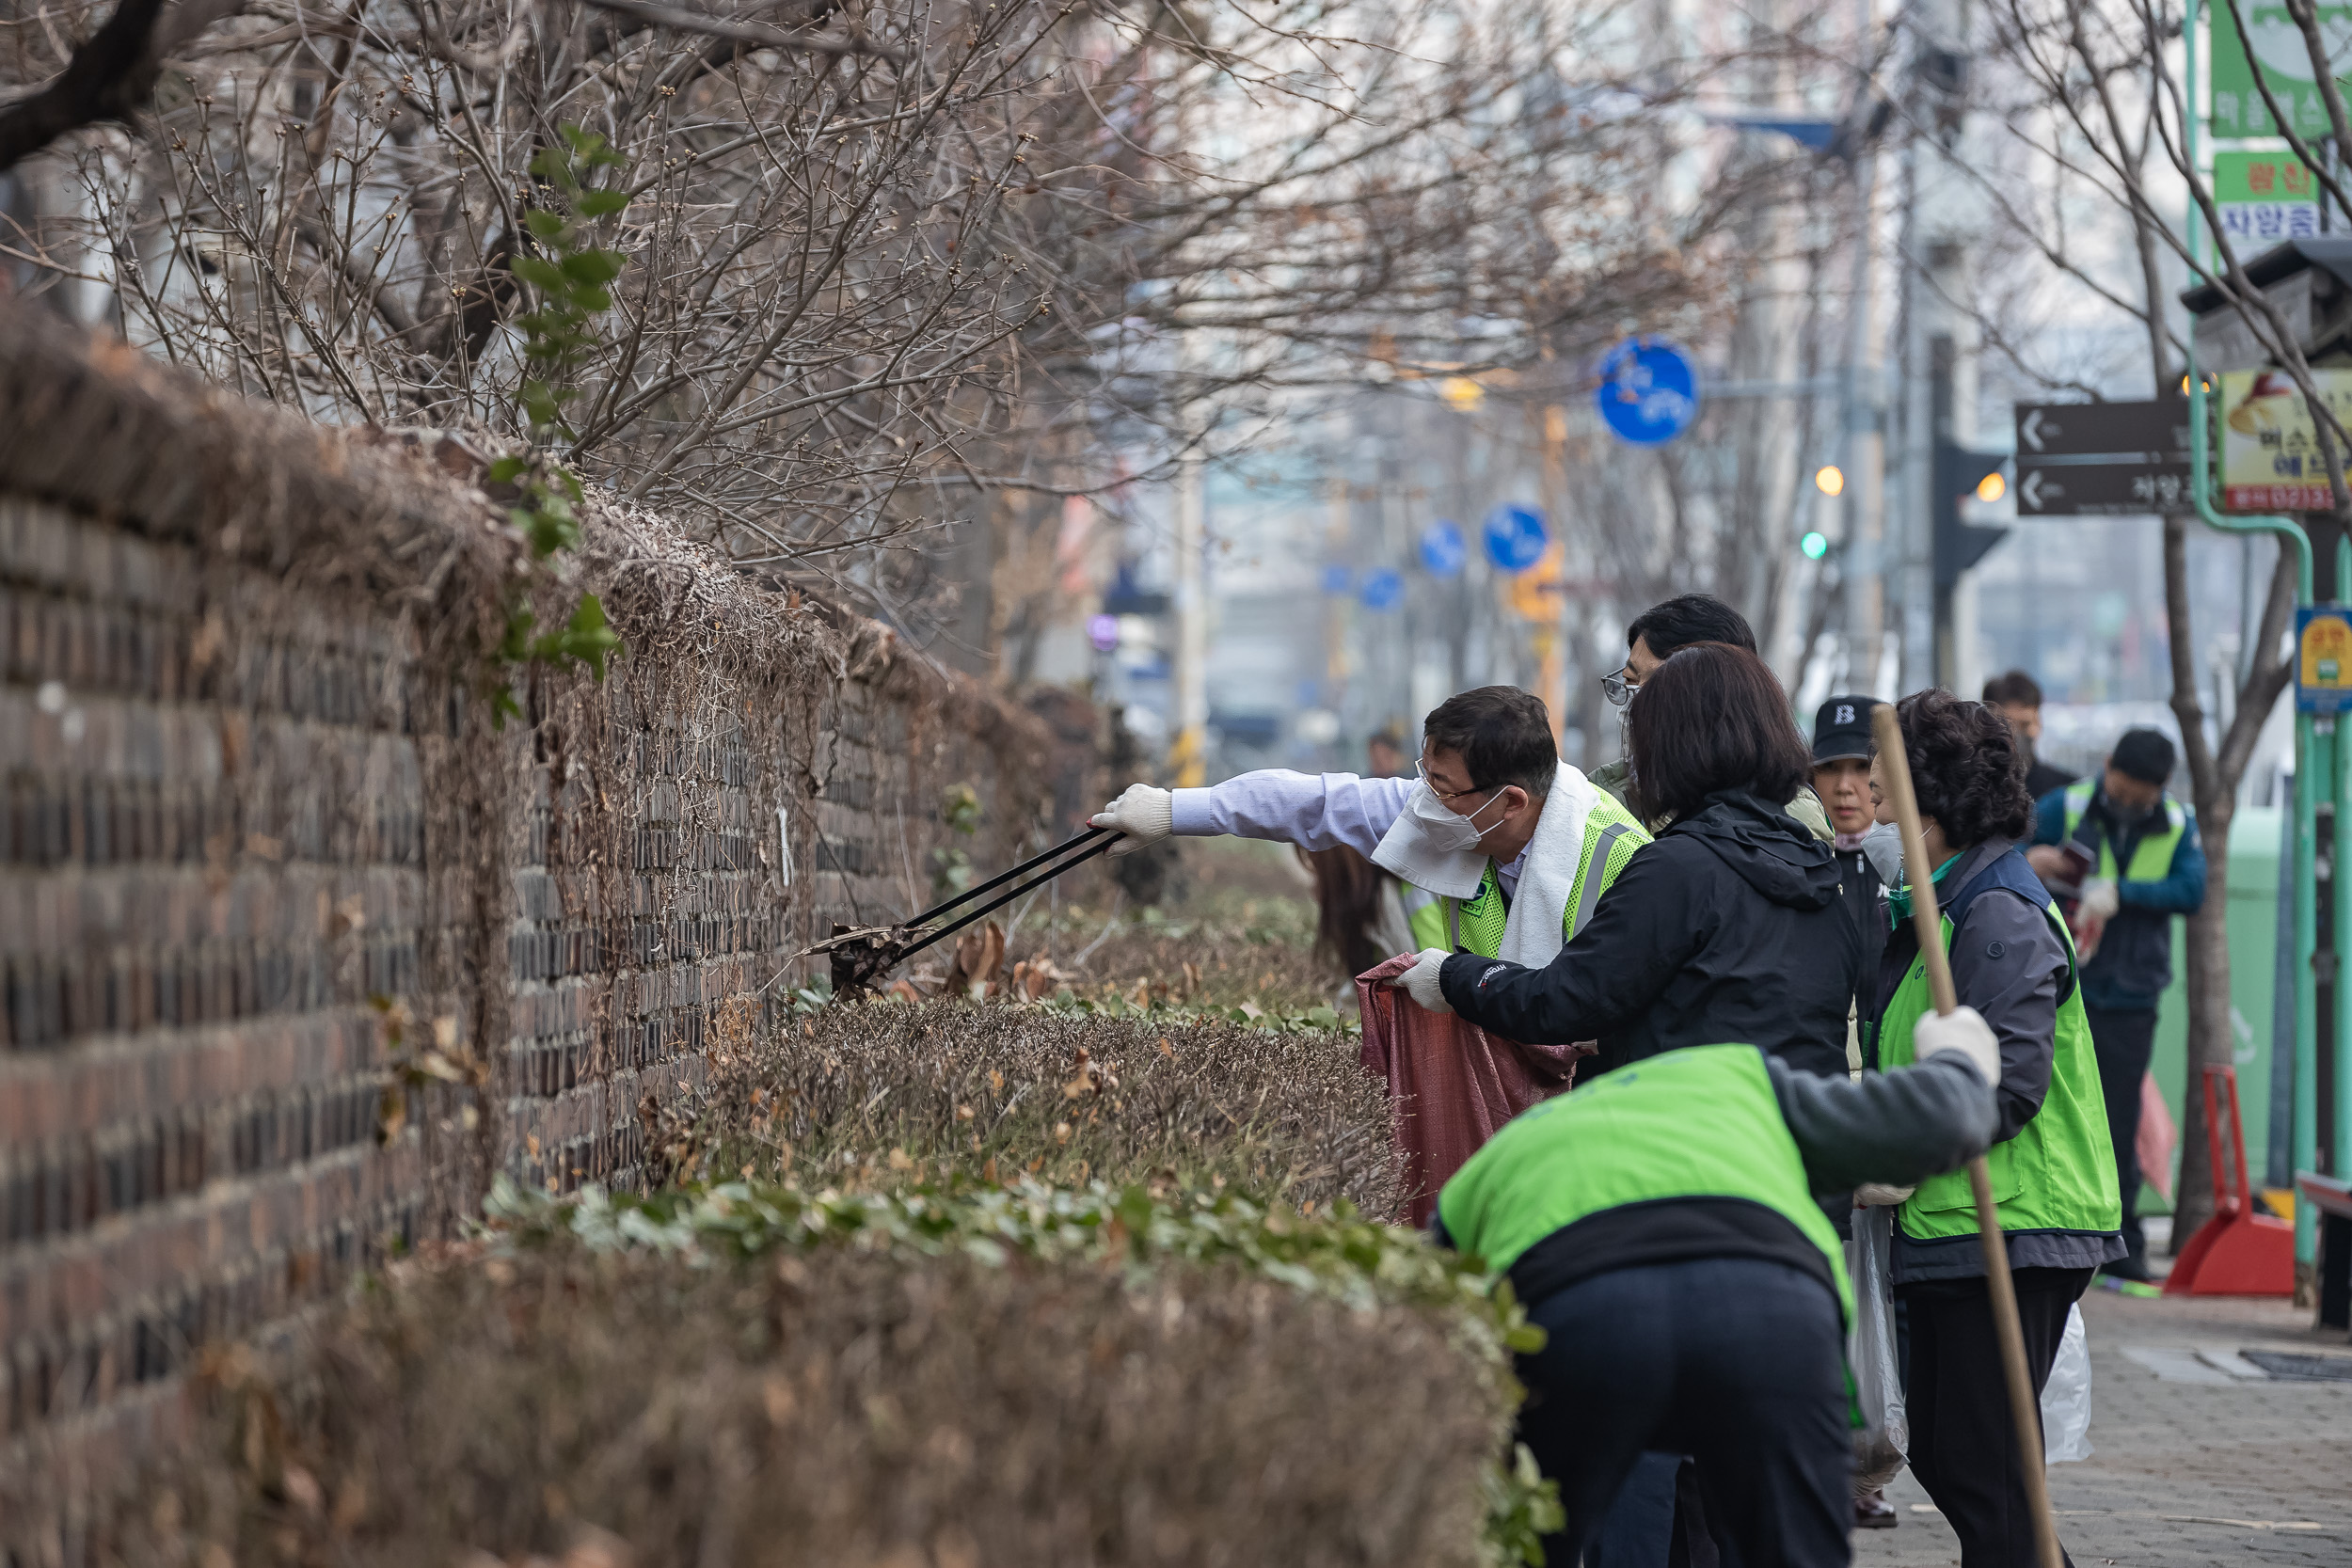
<point>1842,729</point>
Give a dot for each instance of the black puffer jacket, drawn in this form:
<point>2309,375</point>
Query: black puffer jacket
<point>1728,929</point>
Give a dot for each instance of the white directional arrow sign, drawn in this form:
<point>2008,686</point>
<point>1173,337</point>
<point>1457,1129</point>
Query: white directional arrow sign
<point>2083,459</point>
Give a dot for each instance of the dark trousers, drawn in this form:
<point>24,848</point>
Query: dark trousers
<point>1637,1529</point>
<point>1738,1363</point>
<point>1963,1440</point>
<point>1657,1519</point>
<point>2122,1038</point>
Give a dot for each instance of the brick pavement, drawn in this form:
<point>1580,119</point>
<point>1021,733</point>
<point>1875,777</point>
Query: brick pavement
<point>2184,1474</point>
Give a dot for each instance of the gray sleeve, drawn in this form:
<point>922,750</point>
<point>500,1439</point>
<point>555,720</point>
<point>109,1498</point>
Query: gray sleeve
<point>1894,1127</point>
<point>2009,964</point>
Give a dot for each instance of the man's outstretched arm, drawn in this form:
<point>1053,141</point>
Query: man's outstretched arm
<point>1314,811</point>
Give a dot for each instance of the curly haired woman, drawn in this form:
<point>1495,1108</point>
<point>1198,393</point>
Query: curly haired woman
<point>2052,1172</point>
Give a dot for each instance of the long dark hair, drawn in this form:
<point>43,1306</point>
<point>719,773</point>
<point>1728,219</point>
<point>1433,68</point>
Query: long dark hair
<point>1712,718</point>
<point>1347,902</point>
<point>1965,768</point>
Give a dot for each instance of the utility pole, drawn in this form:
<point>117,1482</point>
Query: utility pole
<point>1553,646</point>
<point>1188,759</point>
<point>1864,559</point>
<point>1940,336</point>
<point>1336,669</point>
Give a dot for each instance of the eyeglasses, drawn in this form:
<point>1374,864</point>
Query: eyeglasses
<point>1447,796</point>
<point>1617,688</point>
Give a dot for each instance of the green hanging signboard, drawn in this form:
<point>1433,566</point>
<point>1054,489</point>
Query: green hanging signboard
<point>2285,61</point>
<point>2264,198</point>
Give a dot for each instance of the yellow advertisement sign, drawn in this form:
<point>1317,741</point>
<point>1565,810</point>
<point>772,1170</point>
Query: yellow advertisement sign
<point>2270,459</point>
<point>2323,663</point>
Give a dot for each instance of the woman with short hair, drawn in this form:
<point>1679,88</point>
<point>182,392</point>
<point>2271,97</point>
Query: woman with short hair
<point>2052,1169</point>
<point>1728,927</point>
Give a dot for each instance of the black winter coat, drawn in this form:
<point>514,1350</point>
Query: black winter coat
<point>1730,929</point>
<point>1863,894</point>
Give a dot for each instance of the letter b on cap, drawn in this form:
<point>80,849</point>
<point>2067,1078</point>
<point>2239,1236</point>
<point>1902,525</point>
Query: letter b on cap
<point>1845,713</point>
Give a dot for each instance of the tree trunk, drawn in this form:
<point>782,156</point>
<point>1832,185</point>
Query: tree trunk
<point>2207,958</point>
<point>2205,963</point>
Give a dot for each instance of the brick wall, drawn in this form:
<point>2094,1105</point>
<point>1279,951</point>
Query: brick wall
<point>297,948</point>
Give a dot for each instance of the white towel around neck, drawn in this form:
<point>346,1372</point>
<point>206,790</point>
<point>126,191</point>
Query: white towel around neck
<point>1532,933</point>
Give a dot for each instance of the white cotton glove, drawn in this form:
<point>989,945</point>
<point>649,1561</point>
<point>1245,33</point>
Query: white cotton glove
<point>1878,1195</point>
<point>1963,1030</point>
<point>1420,981</point>
<point>2099,901</point>
<point>1144,813</point>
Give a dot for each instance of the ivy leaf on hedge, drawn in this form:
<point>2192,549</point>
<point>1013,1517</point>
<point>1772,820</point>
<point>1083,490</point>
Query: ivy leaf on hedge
<point>592,267</point>
<point>587,636</point>
<point>539,272</point>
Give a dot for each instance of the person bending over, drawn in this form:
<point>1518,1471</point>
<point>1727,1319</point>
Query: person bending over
<point>1663,1226</point>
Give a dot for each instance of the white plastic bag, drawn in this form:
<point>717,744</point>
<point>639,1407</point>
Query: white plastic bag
<point>1881,1443</point>
<point>2066,1398</point>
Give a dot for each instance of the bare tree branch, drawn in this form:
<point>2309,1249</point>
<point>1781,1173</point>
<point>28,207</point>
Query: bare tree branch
<point>752,32</point>
<point>110,77</point>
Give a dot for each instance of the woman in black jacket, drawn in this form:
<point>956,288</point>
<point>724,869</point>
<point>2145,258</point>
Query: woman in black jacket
<point>1728,927</point>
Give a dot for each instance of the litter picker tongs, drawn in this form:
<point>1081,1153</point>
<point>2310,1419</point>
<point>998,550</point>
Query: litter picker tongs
<point>861,954</point>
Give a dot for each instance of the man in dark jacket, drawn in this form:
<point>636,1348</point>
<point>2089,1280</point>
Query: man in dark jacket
<point>2146,865</point>
<point>2016,697</point>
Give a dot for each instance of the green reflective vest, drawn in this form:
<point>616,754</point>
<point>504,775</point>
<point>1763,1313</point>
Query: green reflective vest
<point>1611,834</point>
<point>2152,859</point>
<point>1698,1122</point>
<point>2058,1172</point>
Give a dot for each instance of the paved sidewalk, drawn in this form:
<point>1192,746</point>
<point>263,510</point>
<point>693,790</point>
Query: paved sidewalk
<point>2183,1473</point>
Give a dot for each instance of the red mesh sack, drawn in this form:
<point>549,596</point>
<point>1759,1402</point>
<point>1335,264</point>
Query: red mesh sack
<point>1452,1084</point>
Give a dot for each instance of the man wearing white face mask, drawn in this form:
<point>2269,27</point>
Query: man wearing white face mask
<point>1656,635</point>
<point>1503,848</point>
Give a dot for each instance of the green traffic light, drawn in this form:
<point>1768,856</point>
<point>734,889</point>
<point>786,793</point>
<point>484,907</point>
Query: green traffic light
<point>1814,545</point>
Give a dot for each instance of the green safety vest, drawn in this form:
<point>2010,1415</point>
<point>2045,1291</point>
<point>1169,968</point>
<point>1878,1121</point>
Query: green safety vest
<point>2151,859</point>
<point>1611,834</point>
<point>1698,1122</point>
<point>2058,1172</point>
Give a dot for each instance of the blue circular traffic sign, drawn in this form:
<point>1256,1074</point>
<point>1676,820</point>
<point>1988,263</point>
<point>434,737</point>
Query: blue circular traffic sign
<point>1648,391</point>
<point>1382,590</point>
<point>1441,547</point>
<point>1515,537</point>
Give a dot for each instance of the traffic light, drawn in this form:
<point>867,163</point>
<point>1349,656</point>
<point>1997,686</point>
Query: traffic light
<point>1960,473</point>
